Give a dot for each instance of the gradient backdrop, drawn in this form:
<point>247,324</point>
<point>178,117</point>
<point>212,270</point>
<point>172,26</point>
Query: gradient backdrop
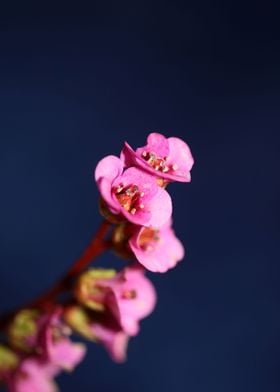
<point>73,87</point>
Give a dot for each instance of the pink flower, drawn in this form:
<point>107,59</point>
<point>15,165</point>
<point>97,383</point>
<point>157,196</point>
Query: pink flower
<point>100,327</point>
<point>114,340</point>
<point>131,298</point>
<point>157,250</point>
<point>33,376</point>
<point>128,295</point>
<point>56,345</point>
<point>166,158</point>
<point>132,193</point>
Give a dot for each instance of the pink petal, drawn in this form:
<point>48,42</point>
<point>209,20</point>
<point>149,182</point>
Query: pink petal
<point>145,300</point>
<point>156,143</point>
<point>129,311</point>
<point>142,217</point>
<point>67,354</point>
<point>127,155</point>
<point>145,181</point>
<point>128,322</point>
<point>174,149</point>
<point>35,378</point>
<point>114,341</point>
<point>160,208</point>
<point>164,254</point>
<point>105,188</point>
<point>60,350</point>
<point>109,167</point>
<point>107,170</point>
<point>180,155</point>
<point>157,202</point>
<point>130,325</point>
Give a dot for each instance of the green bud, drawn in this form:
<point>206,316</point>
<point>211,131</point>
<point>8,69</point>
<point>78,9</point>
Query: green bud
<point>8,359</point>
<point>79,320</point>
<point>88,291</point>
<point>23,328</point>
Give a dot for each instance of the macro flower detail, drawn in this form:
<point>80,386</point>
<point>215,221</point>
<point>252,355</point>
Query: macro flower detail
<point>102,305</point>
<point>132,297</point>
<point>57,346</point>
<point>132,193</point>
<point>169,159</point>
<point>47,336</point>
<point>129,295</point>
<point>114,340</point>
<point>33,375</point>
<point>158,250</point>
<point>100,328</point>
<point>23,331</point>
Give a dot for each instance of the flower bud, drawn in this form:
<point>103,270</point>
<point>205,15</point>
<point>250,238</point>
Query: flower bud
<point>23,330</point>
<point>90,290</point>
<point>8,361</point>
<point>100,328</point>
<point>79,320</point>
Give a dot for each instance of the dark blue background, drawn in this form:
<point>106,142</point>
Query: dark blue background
<point>73,87</point>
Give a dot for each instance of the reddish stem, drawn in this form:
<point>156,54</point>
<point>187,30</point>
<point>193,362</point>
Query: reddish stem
<point>95,247</point>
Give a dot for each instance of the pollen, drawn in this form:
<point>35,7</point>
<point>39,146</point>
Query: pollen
<point>149,238</point>
<point>129,197</point>
<point>158,163</point>
<point>129,294</point>
<point>119,189</point>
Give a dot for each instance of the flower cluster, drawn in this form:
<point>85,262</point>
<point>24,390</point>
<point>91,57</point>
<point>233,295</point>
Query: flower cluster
<point>40,348</point>
<point>104,305</point>
<point>133,195</point>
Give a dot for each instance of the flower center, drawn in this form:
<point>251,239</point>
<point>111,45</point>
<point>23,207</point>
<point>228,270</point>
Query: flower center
<point>148,237</point>
<point>158,163</point>
<point>129,294</point>
<point>129,197</point>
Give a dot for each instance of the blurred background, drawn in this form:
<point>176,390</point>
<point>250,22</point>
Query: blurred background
<point>76,83</point>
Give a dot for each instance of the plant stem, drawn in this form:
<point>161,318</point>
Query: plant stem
<point>97,245</point>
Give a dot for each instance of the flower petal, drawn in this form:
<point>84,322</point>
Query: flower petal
<point>156,143</point>
<point>129,310</point>
<point>114,341</point>
<point>67,354</point>
<point>162,255</point>
<point>180,155</point>
<point>127,155</point>
<point>105,188</point>
<point>36,377</point>
<point>134,176</point>
<point>160,208</point>
<point>109,167</point>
